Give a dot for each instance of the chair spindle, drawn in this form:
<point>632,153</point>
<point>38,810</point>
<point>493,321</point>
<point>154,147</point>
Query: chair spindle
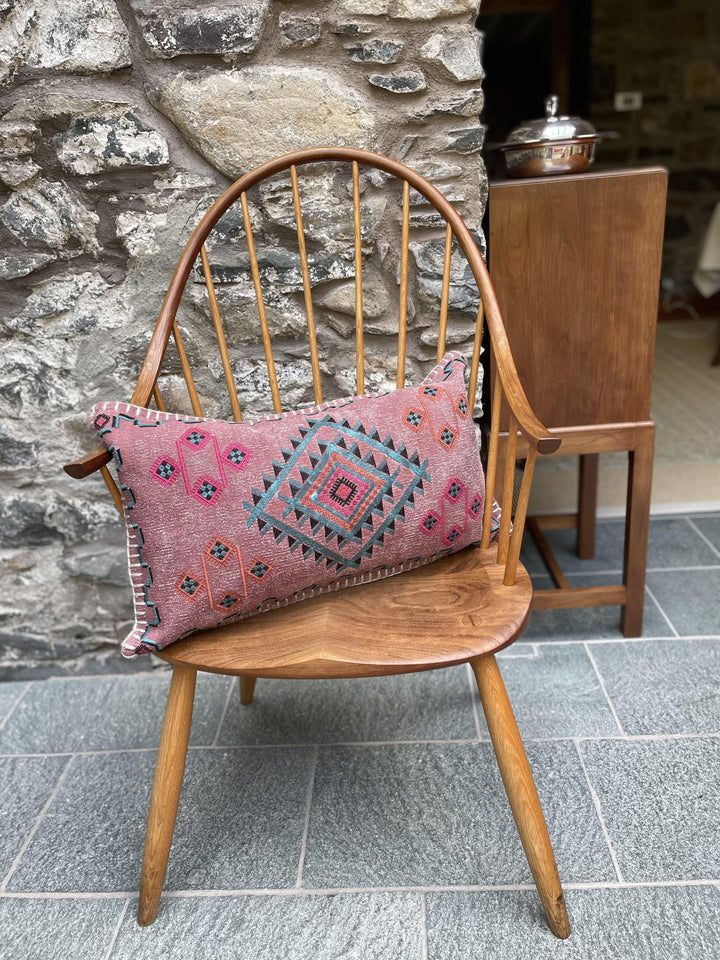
<point>475,362</point>
<point>112,487</point>
<point>404,257</point>
<point>508,491</point>
<point>158,397</point>
<point>187,372</point>
<point>359,345</point>
<point>445,295</point>
<point>314,360</point>
<point>519,519</point>
<point>491,462</point>
<point>255,271</point>
<point>220,334</point>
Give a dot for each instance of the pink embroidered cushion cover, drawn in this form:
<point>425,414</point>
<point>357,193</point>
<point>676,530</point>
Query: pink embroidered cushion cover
<point>226,520</point>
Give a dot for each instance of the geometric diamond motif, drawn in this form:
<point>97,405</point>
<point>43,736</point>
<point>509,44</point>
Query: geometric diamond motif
<point>447,437</point>
<point>228,600</point>
<point>454,489</point>
<point>414,418</point>
<point>475,505</point>
<point>195,438</point>
<point>429,522</point>
<point>206,490</point>
<point>337,492</point>
<point>189,585</point>
<point>259,569</point>
<point>452,535</point>
<point>219,550</point>
<point>164,470</point>
<point>236,455</point>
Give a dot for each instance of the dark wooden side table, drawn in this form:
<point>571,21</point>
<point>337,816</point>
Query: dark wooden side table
<point>575,261</point>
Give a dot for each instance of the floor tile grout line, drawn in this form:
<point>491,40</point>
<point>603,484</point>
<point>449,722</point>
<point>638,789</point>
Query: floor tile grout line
<point>598,810</point>
<point>601,681</point>
<point>291,892</point>
<point>617,572</point>
<point>596,640</point>
<point>699,532</point>
<point>657,604</point>
<point>15,705</point>
<point>629,737</point>
<point>36,825</point>
<point>224,711</point>
<point>473,703</point>
<point>308,808</point>
<point>113,939</point>
<point>423,928</point>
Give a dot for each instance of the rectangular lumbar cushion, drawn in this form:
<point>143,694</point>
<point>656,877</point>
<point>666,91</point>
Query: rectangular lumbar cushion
<point>226,520</point>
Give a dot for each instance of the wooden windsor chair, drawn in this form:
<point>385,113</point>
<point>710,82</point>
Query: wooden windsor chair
<point>459,609</point>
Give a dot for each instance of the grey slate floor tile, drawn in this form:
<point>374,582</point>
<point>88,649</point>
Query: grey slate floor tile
<point>435,705</point>
<point>691,599</point>
<point>647,923</point>
<point>710,527</point>
<point>663,686</point>
<point>352,927</point>
<point>25,785</point>
<point>590,623</point>
<point>660,802</point>
<point>106,713</point>
<point>556,694</point>
<point>57,929</point>
<point>437,814</point>
<point>671,543</point>
<point>240,823</point>
<point>10,693</point>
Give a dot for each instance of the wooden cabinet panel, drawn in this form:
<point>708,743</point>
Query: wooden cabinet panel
<point>575,261</point>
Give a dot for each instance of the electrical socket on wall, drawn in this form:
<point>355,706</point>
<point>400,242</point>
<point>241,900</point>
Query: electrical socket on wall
<point>629,100</point>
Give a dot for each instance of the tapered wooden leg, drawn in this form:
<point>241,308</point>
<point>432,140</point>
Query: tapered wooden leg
<point>247,690</point>
<point>587,505</point>
<point>169,771</point>
<point>521,791</point>
<point>637,523</point>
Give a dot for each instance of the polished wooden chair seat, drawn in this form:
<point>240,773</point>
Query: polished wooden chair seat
<point>443,613</point>
<point>459,609</point>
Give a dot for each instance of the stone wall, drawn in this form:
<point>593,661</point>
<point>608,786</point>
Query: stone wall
<point>669,50</point>
<point>121,122</point>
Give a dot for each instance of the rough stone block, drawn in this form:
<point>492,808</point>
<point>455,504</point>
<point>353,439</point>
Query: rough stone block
<point>14,173</point>
<point>50,212</point>
<point>411,9</point>
<point>468,104</point>
<point>20,266</point>
<point>79,36</point>
<point>469,140</point>
<point>96,143</point>
<point>412,81</point>
<point>221,113</point>
<point>298,31</point>
<point>17,138</point>
<point>341,298</point>
<point>374,51</point>
<point>458,50</point>
<point>223,29</point>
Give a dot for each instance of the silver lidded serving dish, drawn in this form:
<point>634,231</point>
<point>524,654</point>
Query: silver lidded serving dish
<point>551,145</point>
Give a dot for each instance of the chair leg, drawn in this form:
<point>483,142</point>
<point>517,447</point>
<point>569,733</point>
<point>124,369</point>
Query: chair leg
<point>247,690</point>
<point>587,505</point>
<point>169,771</point>
<point>637,523</point>
<point>521,791</point>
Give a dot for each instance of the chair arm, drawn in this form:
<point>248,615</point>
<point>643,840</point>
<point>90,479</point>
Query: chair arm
<point>84,466</point>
